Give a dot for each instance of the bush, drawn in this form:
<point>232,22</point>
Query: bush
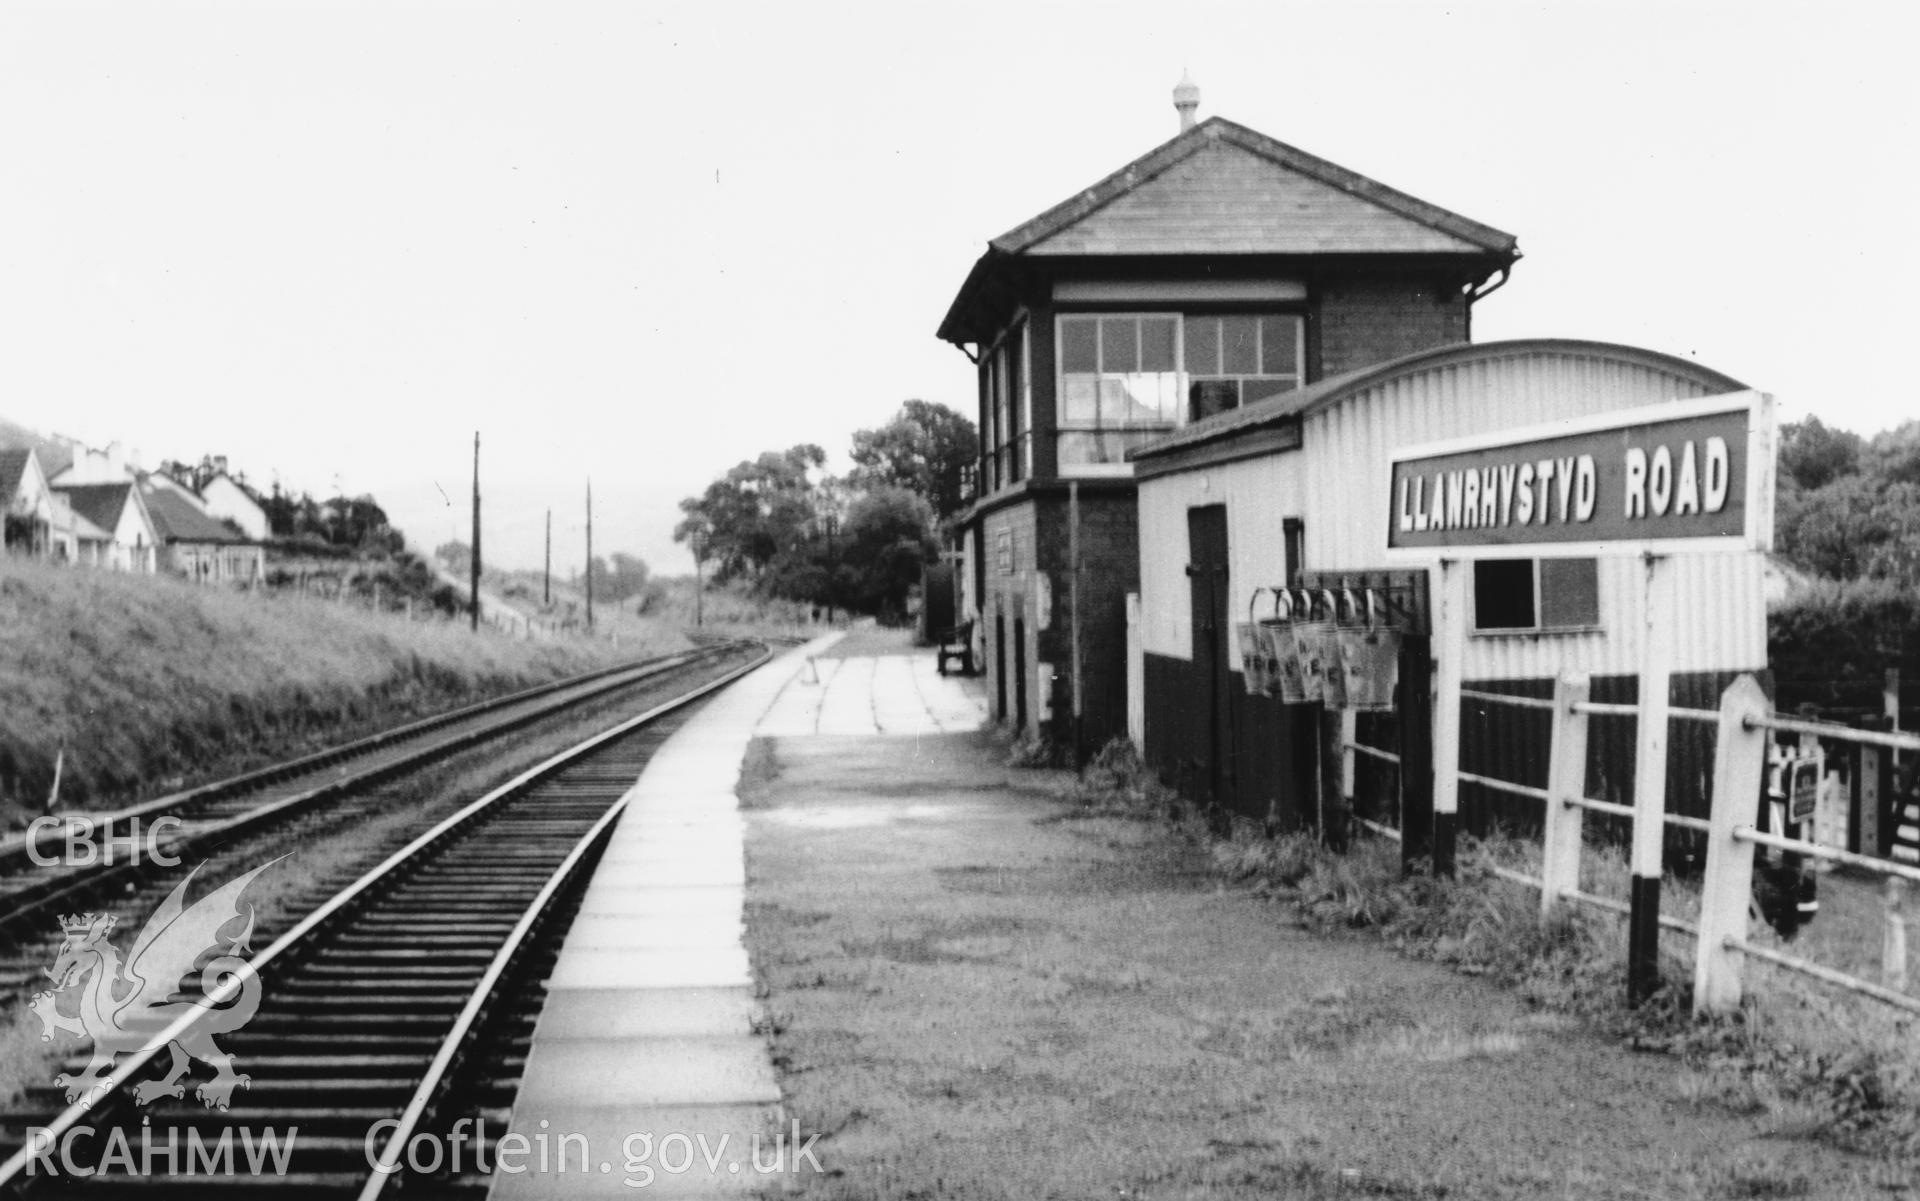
<point>1830,644</point>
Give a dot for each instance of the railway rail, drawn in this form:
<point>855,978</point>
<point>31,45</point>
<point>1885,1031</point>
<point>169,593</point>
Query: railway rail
<point>394,1010</point>
<point>37,880</point>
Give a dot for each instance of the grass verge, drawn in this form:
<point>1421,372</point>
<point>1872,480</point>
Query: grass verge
<point>1818,1062</point>
<point>149,682</point>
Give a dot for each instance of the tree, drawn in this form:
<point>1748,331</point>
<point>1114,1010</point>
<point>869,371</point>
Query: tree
<point>624,577</point>
<point>1813,455</point>
<point>886,540</point>
<point>1895,454</point>
<point>358,521</point>
<point>923,450</point>
<point>761,507</point>
<point>455,556</point>
<point>1858,526</point>
<point>1827,530</point>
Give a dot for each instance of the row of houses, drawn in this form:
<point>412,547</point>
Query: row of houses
<point>72,504</point>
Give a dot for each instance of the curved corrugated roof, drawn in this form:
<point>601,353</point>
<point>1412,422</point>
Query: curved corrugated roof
<point>1332,391</point>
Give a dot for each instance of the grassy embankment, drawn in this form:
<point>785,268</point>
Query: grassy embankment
<point>1818,1062</point>
<point>149,682</point>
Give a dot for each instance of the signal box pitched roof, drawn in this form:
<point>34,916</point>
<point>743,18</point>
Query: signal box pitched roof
<point>1221,189</point>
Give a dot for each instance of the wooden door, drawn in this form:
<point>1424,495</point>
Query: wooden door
<point>1211,684</point>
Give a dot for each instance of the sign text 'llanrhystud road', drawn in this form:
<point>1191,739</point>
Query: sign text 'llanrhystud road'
<point>1637,476</point>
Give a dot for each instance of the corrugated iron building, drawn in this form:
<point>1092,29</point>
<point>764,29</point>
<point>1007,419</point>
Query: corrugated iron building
<point>1300,483</point>
<point>1218,271</point>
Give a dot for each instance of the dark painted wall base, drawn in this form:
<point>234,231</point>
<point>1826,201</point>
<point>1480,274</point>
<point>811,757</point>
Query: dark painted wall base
<point>1269,750</point>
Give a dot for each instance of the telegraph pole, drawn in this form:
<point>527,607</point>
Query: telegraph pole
<point>589,555</point>
<point>546,575</point>
<point>473,567</point>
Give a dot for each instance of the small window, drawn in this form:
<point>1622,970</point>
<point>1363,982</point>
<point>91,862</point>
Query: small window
<point>1535,594</point>
<point>1237,359</point>
<point>1503,595</point>
<point>1569,593</point>
<point>1006,407</point>
<point>1294,551</point>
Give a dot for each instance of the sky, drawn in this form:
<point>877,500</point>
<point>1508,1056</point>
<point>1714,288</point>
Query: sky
<point>637,243</point>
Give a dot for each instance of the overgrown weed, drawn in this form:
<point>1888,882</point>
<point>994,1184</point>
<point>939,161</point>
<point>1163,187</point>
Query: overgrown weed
<point>1820,1063</point>
<point>1031,749</point>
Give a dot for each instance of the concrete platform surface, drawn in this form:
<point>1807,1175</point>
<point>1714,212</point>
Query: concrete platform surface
<point>649,1043</point>
<point>878,694</point>
<point>651,1038</point>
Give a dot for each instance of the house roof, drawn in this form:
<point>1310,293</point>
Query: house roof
<point>1221,189</point>
<point>64,517</point>
<point>100,504</point>
<point>13,468</point>
<point>175,519</point>
<point>1303,402</point>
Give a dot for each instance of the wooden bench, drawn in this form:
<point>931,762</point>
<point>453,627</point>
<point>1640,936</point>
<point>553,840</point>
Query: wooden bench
<point>956,642</point>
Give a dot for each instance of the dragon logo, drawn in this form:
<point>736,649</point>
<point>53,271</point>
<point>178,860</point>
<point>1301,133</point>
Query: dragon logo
<point>127,1006</point>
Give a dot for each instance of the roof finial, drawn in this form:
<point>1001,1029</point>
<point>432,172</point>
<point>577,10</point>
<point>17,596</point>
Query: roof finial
<point>1186,98</point>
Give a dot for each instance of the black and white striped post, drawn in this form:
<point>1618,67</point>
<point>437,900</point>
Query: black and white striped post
<point>1449,675</point>
<point>1650,779</point>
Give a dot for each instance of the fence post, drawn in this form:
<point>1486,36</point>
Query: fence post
<point>1349,734</point>
<point>1866,795</point>
<point>1739,764</point>
<point>1650,781</point>
<point>1893,943</point>
<point>1566,782</point>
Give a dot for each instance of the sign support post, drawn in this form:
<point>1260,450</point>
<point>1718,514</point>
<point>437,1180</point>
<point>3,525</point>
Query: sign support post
<point>1452,632</point>
<point>1650,779</point>
<point>1415,706</point>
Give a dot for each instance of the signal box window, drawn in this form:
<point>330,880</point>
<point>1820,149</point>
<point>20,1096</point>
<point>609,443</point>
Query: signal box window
<point>1119,385</point>
<point>1515,595</point>
<point>1235,360</point>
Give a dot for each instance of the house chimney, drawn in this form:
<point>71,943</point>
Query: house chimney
<point>1186,99</point>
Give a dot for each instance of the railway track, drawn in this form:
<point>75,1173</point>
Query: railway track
<point>39,879</point>
<point>397,1008</point>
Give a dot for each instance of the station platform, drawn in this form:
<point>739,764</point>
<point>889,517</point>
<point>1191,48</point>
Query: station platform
<point>649,1068</point>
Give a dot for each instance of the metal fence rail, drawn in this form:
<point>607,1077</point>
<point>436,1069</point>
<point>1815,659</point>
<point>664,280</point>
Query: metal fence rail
<point>1744,722</point>
<point>1898,1000</point>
